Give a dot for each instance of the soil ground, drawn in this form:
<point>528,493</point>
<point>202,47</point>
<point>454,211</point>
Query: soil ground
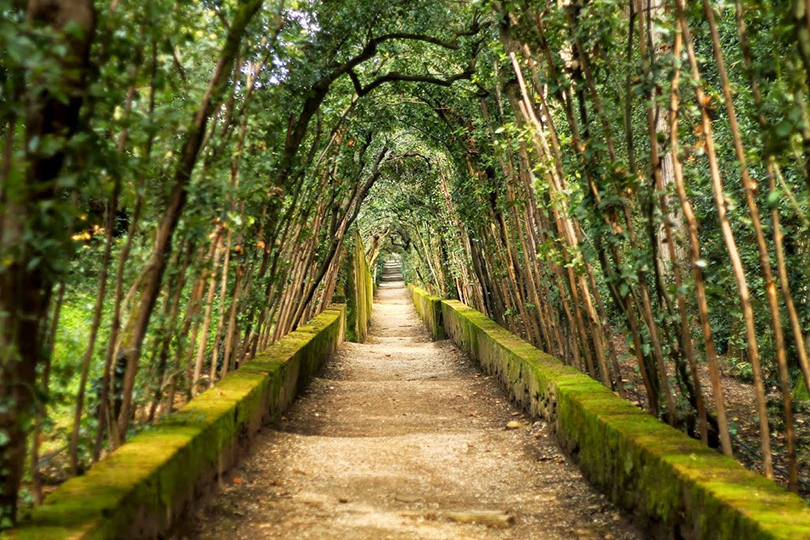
<point>400,437</point>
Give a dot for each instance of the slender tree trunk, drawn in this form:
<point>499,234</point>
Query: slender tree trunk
<point>36,477</point>
<point>173,303</point>
<point>697,264</point>
<point>773,174</point>
<point>749,188</point>
<point>109,224</point>
<point>191,147</point>
<point>223,291</point>
<point>104,411</point>
<point>731,246</point>
<point>203,342</point>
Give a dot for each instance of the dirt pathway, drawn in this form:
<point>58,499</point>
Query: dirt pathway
<point>402,438</point>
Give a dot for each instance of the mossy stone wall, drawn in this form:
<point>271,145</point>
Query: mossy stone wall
<point>142,488</point>
<point>429,309</point>
<point>359,292</point>
<point>673,485</point>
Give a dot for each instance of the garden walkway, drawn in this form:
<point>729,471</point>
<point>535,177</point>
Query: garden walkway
<point>401,437</point>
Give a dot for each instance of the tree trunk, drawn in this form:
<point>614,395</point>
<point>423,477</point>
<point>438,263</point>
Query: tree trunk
<point>749,188</point>
<point>203,338</point>
<point>731,245</point>
<point>191,146</point>
<point>27,280</point>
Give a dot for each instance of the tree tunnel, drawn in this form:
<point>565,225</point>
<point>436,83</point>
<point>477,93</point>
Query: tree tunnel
<point>622,184</point>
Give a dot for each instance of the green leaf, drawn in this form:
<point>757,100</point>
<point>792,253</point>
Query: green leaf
<point>774,198</point>
<point>783,128</point>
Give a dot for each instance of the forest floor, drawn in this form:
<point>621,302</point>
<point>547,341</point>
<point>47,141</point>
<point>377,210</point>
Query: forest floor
<point>403,438</point>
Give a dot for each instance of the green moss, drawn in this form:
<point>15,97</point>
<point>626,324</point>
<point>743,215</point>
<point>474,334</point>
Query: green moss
<point>359,292</point>
<point>800,392</point>
<point>430,311</point>
<point>141,488</point>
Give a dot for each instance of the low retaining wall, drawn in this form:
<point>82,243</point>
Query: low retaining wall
<point>142,488</point>
<point>429,309</point>
<point>674,485</point>
<point>359,292</point>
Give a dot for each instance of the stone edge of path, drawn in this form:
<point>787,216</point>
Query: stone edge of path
<point>429,308</point>
<point>144,487</point>
<point>673,485</point>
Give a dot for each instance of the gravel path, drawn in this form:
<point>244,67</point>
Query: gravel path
<point>403,438</point>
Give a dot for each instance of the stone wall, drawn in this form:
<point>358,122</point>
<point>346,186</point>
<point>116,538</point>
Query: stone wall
<point>359,293</point>
<point>141,489</point>
<point>429,309</point>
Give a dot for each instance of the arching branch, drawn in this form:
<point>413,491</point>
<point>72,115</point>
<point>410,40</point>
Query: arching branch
<point>298,127</point>
<point>397,76</point>
<point>447,44</point>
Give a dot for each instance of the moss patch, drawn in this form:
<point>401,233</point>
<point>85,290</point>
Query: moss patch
<point>359,292</point>
<point>429,309</point>
<point>800,391</point>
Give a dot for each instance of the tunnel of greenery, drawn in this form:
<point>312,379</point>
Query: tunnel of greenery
<point>622,183</point>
